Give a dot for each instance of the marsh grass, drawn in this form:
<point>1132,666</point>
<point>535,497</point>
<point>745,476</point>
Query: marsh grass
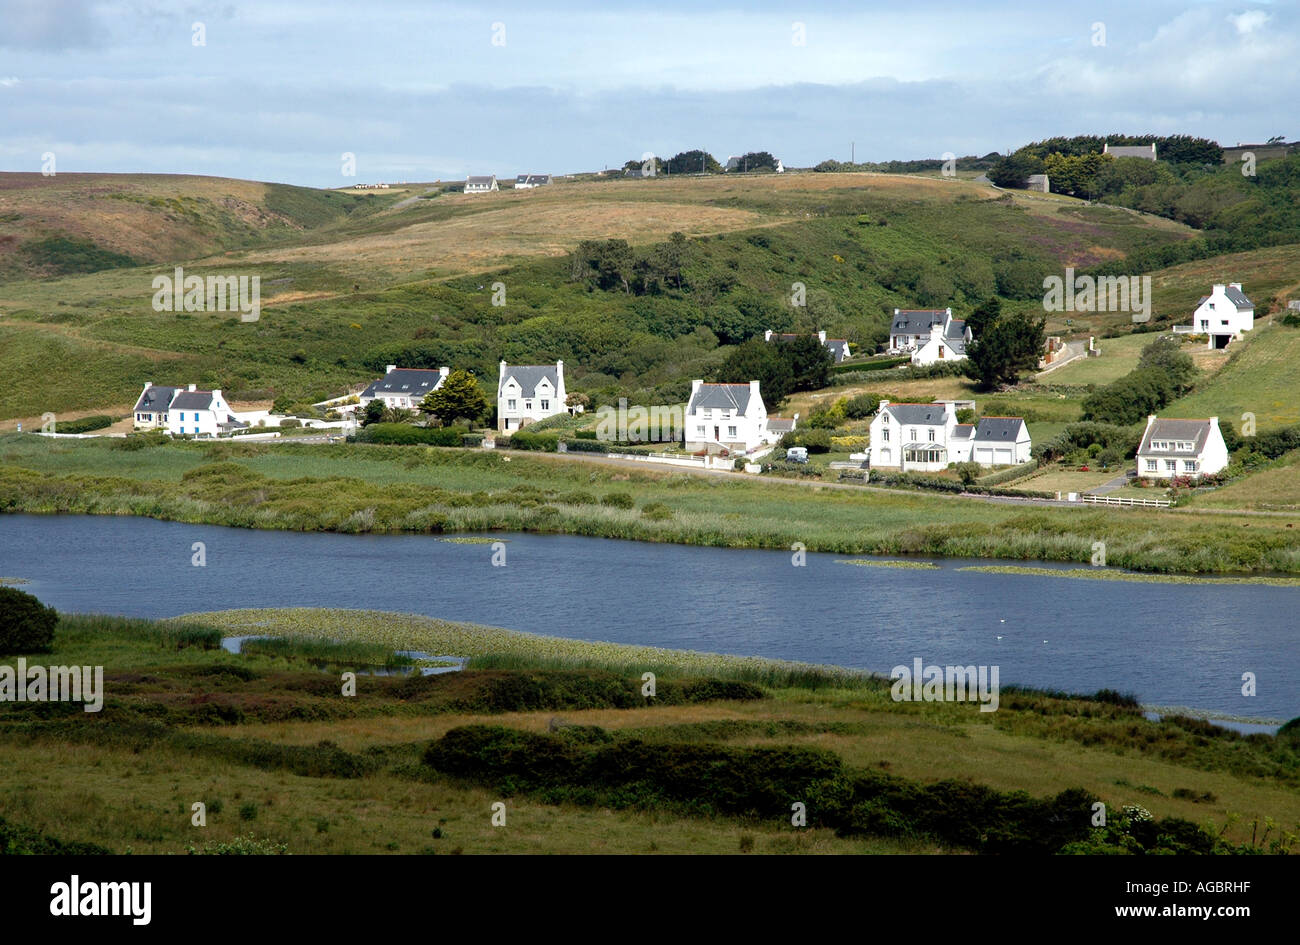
<point>333,652</point>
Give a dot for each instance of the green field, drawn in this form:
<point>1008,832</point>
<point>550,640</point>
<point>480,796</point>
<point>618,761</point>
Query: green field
<point>1259,378</point>
<point>361,488</point>
<point>283,762</point>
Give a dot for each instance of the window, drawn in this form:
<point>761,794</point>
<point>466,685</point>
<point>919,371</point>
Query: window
<point>913,433</point>
<point>884,435</point>
<point>1171,465</point>
<point>699,431</point>
<point>884,418</point>
<point>1189,465</point>
<point>528,405</point>
<point>1205,323</point>
<point>1151,465</point>
<point>941,351</point>
<point>932,436</point>
<point>510,405</point>
<point>731,431</point>
<point>546,405</point>
<point>708,413</point>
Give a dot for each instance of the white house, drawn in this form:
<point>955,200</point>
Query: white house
<point>1145,151</point>
<point>914,437</point>
<point>184,411</point>
<point>931,335</point>
<point>481,185</point>
<point>529,181</point>
<point>1223,315</point>
<point>402,388</point>
<point>1001,441</point>
<point>927,438</point>
<point>527,393</point>
<point>838,347</point>
<point>726,416</point>
<point>1190,448</point>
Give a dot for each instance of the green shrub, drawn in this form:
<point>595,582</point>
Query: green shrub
<point>84,424</point>
<point>861,406</point>
<point>541,442</point>
<point>618,500</point>
<point>26,625</point>
<point>815,441</point>
<point>405,434</point>
<point>471,439</point>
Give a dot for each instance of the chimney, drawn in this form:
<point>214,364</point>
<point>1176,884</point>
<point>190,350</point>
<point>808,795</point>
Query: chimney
<point>1235,285</point>
<point>753,390</point>
<point>216,394</point>
<point>190,388</point>
<point>390,369</point>
<point>1214,423</point>
<point>767,335</point>
<point>503,367</point>
<point>148,384</point>
<point>821,336</point>
<point>444,371</point>
<point>1218,288</point>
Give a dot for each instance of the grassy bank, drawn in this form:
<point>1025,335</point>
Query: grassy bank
<point>373,489</point>
<point>562,734</point>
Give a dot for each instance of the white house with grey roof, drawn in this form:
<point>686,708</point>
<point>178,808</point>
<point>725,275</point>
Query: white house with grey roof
<point>728,417</point>
<point>931,336</point>
<point>1146,152</point>
<point>838,347</point>
<point>927,438</point>
<point>184,411</point>
<point>527,393</point>
<point>1000,441</point>
<point>529,181</point>
<point>1190,448</point>
<point>1223,315</point>
<point>481,185</point>
<point>403,388</point>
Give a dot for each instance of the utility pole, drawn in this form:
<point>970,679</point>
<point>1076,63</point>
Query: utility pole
<point>853,152</point>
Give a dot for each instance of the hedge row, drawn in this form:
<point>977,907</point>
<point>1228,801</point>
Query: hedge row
<point>84,424</point>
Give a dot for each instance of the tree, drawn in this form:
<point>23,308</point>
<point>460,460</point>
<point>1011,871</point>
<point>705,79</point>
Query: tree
<point>810,362</point>
<point>1009,347</point>
<point>373,412</point>
<point>1167,354</point>
<point>985,314</point>
<point>1014,170</point>
<point>755,359</point>
<point>968,472</point>
<point>458,397</point>
<point>26,625</point>
<point>693,162</point>
<point>578,399</point>
<point>754,160</point>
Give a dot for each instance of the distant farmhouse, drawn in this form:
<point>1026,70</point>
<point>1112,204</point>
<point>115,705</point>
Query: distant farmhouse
<point>1039,182</point>
<point>481,185</point>
<point>838,347</point>
<point>1190,448</point>
<point>728,417</point>
<point>184,411</point>
<point>1145,151</point>
<point>403,388</point>
<point>927,438</point>
<point>1222,315</point>
<point>930,335</point>
<point>527,393</point>
<point>529,181</point>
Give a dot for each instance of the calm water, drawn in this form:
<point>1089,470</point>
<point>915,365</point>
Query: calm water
<point>1172,644</point>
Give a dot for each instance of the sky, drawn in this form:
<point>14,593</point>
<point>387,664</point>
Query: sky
<point>421,90</point>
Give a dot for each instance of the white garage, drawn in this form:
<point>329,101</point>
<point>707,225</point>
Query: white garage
<point>1001,441</point>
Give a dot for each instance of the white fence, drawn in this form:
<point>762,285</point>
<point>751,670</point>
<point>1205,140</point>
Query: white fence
<point>1184,329</point>
<point>1116,500</point>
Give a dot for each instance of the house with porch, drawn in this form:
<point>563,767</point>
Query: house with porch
<point>1184,448</point>
<point>728,417</point>
<point>527,393</point>
<point>1222,315</point>
<point>931,336</point>
<point>927,438</point>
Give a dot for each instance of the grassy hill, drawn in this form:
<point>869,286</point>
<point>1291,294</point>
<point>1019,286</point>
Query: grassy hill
<point>344,293</point>
<point>73,223</point>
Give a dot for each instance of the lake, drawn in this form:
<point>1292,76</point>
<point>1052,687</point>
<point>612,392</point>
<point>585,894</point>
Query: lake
<point>1171,644</point>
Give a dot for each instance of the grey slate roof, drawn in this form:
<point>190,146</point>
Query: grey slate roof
<point>917,321</point>
<point>405,381</point>
<point>1194,431</point>
<point>155,399</point>
<point>780,424</point>
<point>839,348</point>
<point>927,414</point>
<point>484,181</point>
<point>963,431</point>
<point>532,179</point>
<point>956,336</point>
<point>998,429</point>
<point>1235,296</point>
<point>723,396</point>
<point>529,376</point>
<point>193,400</point>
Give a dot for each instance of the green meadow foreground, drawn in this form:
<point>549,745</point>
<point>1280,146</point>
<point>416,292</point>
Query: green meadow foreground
<point>722,758</point>
<point>359,488</point>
